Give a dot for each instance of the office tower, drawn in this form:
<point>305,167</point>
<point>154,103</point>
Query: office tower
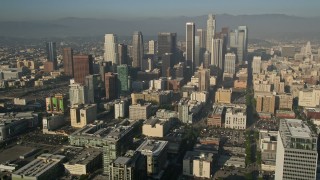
<point>211,30</point>
<point>190,45</point>
<point>244,29</point>
<point>297,154</point>
<point>68,61</point>
<point>78,94</point>
<point>111,48</point>
<point>167,63</point>
<point>233,42</point>
<point>156,156</point>
<point>123,54</point>
<point>121,109</point>
<point>111,85</point>
<point>204,79</point>
<point>202,34</point>
<point>81,115</point>
<point>137,49</point>
<point>197,61</point>
<point>256,65</point>
<point>82,66</point>
<point>217,53</point>
<point>138,111</point>
<point>152,47</point>
<point>123,79</point>
<point>266,103</point>
<point>241,51</point>
<point>167,43</point>
<point>239,40</point>
<point>308,50</point>
<point>51,51</point>
<point>206,59</point>
<point>230,63</point>
<point>94,87</point>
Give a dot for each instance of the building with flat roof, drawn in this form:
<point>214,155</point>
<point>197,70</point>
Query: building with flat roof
<point>155,127</point>
<point>297,154</point>
<point>216,118</point>
<point>156,155</point>
<point>84,162</point>
<point>44,167</point>
<point>82,115</point>
<point>197,164</point>
<point>236,118</point>
<point>268,148</point>
<point>114,141</point>
<point>223,95</point>
<point>130,166</point>
<point>52,123</point>
<point>138,111</point>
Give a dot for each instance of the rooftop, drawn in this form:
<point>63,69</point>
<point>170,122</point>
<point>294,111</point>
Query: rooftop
<point>152,147</point>
<point>298,129</point>
<point>85,156</point>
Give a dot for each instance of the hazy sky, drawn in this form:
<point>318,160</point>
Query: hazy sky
<point>52,9</point>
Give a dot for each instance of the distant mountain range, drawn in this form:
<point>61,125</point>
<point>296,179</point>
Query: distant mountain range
<point>260,26</point>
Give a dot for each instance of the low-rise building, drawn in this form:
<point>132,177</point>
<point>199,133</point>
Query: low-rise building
<point>155,127</point>
<point>216,118</point>
<point>138,111</point>
<point>52,123</point>
<point>82,115</point>
<point>44,167</point>
<point>84,162</point>
<point>236,118</point>
<point>223,96</point>
<point>268,148</point>
<point>197,164</point>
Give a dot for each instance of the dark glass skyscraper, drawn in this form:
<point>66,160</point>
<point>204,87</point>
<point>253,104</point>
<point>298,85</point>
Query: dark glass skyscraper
<point>68,61</point>
<point>123,78</point>
<point>123,53</point>
<point>137,49</point>
<point>167,43</point>
<point>51,51</point>
<point>190,45</point>
<point>82,66</point>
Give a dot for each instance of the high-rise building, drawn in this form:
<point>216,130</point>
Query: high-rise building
<point>68,61</point>
<point>167,63</point>
<point>244,29</point>
<point>156,155</point>
<point>78,94</point>
<point>111,85</point>
<point>198,164</point>
<point>137,49</point>
<point>123,54</point>
<point>82,66</point>
<point>297,154</point>
<point>121,109</point>
<point>202,34</point>
<point>239,40</point>
<point>211,30</point>
<point>230,63</point>
<point>204,79</point>
<point>152,47</point>
<point>207,59</point>
<point>190,45</point>
<point>111,48</point>
<point>197,51</point>
<point>217,53</point>
<point>51,51</point>
<point>167,43</point>
<point>94,85</point>
<point>256,65</point>
<point>123,79</point>
<point>81,115</point>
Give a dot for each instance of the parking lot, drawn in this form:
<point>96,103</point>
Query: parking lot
<point>228,136</point>
<point>271,125</point>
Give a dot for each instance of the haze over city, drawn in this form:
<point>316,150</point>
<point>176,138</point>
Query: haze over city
<point>159,90</point>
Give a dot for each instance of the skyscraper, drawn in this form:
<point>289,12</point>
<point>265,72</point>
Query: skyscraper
<point>68,61</point>
<point>123,54</point>
<point>111,48</point>
<point>190,45</point>
<point>123,79</point>
<point>152,47</point>
<point>211,30</point>
<point>256,65</point>
<point>244,29</point>
<point>137,49</point>
<point>78,94</point>
<point>202,34</point>
<point>297,154</point>
<point>230,63</point>
<point>51,51</point>
<point>217,53</point>
<point>111,85</point>
<point>167,63</point>
<point>197,51</point>
<point>204,79</point>
<point>167,43</point>
<point>82,66</point>
<point>93,84</point>
<point>239,40</point>
<point>206,59</point>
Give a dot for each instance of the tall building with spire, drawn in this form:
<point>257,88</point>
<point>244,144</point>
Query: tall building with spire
<point>111,48</point>
<point>137,49</point>
<point>211,30</point>
<point>190,44</point>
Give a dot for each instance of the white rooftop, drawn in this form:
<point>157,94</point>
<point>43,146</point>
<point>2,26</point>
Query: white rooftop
<point>298,129</point>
